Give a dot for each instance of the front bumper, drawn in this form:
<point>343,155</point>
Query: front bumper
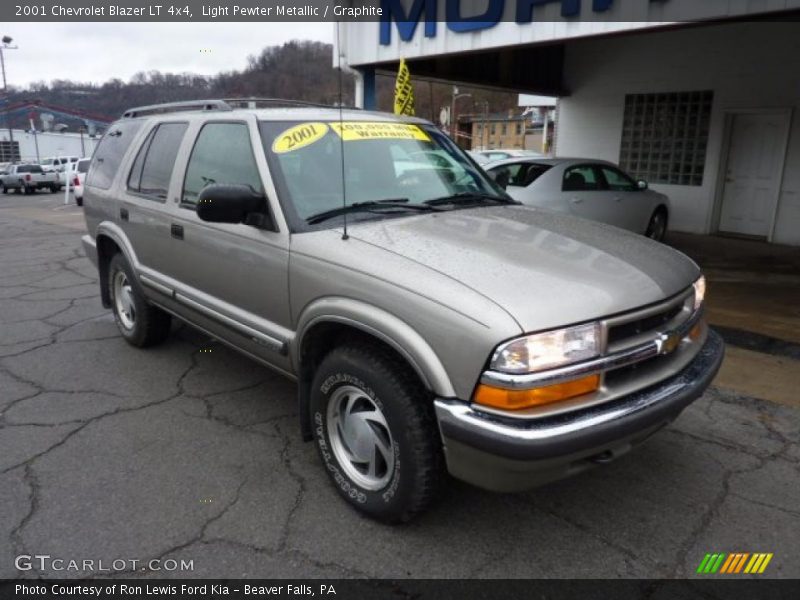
<point>513,454</point>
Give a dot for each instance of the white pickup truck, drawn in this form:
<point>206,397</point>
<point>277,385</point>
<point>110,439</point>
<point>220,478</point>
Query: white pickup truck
<point>29,178</point>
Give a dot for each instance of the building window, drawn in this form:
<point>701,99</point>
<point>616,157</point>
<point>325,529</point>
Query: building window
<point>665,136</point>
<point>505,129</point>
<point>494,128</point>
<point>519,128</point>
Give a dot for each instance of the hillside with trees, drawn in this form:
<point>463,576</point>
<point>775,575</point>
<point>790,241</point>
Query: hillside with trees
<point>299,70</point>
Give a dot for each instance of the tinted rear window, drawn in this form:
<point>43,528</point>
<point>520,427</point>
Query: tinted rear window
<point>83,166</point>
<point>110,151</point>
<point>152,168</point>
<point>29,169</point>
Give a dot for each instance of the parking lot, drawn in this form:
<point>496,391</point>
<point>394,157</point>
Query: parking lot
<point>191,451</point>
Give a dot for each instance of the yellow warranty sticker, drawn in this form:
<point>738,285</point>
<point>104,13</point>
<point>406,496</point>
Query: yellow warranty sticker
<point>351,131</point>
<point>298,137</point>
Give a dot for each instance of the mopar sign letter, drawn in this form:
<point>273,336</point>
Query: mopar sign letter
<point>407,21</point>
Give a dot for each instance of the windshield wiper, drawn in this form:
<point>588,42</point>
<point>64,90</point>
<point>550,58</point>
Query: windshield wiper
<point>371,206</point>
<point>469,198</point>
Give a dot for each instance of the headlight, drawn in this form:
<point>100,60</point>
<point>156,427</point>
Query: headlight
<point>547,350</point>
<point>699,292</point>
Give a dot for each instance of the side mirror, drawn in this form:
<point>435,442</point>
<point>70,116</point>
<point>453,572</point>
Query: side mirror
<point>642,184</point>
<point>233,203</point>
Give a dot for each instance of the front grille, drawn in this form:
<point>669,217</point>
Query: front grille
<point>623,331</point>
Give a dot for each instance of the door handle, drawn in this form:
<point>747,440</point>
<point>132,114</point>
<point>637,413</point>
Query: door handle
<point>618,198</point>
<point>123,214</point>
<point>176,231</point>
<point>576,200</point>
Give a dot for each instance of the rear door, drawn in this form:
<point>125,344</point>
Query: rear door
<point>143,204</point>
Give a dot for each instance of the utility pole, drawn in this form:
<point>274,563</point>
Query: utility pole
<point>453,123</point>
<point>6,45</point>
<point>484,132</point>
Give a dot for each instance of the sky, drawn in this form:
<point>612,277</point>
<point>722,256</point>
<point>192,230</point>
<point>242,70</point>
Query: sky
<point>96,52</point>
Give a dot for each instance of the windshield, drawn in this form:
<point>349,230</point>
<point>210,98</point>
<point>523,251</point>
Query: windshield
<point>389,162</point>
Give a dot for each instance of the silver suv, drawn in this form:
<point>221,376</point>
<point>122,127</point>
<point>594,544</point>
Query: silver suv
<point>431,322</point>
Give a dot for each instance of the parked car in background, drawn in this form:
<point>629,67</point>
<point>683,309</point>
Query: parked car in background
<point>591,189</point>
<point>29,178</point>
<point>55,163</point>
<point>431,322</point>
<point>78,177</point>
<point>502,154</point>
<point>479,157</point>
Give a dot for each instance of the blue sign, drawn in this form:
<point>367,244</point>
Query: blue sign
<point>392,10</point>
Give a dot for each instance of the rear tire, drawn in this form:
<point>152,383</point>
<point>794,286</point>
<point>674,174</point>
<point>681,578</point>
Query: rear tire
<point>79,201</point>
<point>657,227</point>
<point>139,322</point>
<point>376,432</point>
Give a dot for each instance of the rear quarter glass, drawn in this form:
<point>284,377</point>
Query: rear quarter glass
<point>110,151</point>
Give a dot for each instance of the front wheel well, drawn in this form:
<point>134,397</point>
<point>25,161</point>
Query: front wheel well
<point>318,342</point>
<point>106,249</point>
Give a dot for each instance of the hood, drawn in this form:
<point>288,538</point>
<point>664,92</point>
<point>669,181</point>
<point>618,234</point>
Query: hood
<point>547,270</point>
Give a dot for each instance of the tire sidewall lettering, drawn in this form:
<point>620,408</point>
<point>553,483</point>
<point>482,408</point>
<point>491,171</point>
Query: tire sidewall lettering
<point>342,481</point>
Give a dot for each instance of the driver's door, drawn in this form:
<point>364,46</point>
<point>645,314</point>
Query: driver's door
<point>232,276</point>
<point>584,194</point>
<point>632,207</point>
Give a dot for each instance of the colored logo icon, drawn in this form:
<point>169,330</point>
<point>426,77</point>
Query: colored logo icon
<point>734,563</point>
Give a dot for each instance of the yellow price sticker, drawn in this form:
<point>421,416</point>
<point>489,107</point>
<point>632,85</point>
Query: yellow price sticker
<point>298,137</point>
<point>351,131</point>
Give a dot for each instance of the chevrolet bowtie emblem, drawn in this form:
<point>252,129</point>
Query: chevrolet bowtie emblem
<point>667,343</point>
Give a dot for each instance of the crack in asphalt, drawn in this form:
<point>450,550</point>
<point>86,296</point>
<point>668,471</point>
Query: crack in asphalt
<point>33,504</point>
<point>42,273</point>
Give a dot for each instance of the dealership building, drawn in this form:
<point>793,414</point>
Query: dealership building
<point>704,110</point>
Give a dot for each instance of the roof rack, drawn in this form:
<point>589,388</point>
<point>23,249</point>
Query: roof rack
<point>257,102</point>
<point>156,109</point>
<point>225,104</point>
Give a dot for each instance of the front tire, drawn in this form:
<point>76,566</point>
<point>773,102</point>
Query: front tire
<point>376,432</point>
<point>657,227</point>
<point>139,322</point>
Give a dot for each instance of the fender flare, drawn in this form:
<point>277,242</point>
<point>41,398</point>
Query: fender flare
<point>384,326</point>
<point>115,233</point>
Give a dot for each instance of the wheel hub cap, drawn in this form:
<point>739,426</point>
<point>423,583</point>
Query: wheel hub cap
<point>360,438</point>
<point>123,300</point>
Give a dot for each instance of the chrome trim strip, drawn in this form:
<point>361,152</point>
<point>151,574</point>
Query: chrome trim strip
<point>151,283</point>
<point>258,337</point>
<point>659,345</point>
<point>240,321</point>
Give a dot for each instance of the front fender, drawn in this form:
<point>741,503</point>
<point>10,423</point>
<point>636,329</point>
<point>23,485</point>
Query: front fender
<point>384,326</point>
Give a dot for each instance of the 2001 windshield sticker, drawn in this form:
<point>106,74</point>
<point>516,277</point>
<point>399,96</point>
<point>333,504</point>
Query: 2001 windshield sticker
<point>298,137</point>
<point>352,131</point>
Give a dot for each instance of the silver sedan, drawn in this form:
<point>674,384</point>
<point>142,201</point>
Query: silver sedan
<point>591,189</point>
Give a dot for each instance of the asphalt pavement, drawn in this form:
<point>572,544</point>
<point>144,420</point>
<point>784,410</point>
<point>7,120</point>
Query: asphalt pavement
<point>190,452</point>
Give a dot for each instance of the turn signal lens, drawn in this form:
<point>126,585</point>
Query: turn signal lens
<point>520,399</point>
<point>696,332</point>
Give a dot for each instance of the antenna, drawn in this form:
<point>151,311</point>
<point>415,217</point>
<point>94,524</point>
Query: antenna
<point>341,130</point>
